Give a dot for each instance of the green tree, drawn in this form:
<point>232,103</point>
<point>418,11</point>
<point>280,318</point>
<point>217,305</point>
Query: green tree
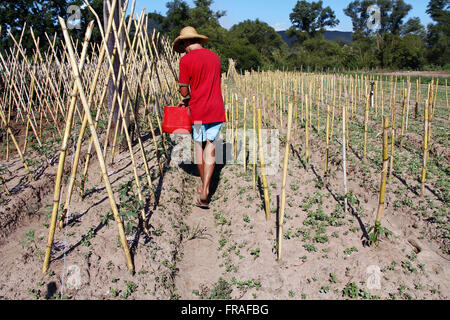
<point>155,21</point>
<point>398,13</point>
<point>395,44</point>
<point>245,56</point>
<point>176,18</point>
<point>402,52</point>
<point>41,15</point>
<point>413,27</point>
<point>438,33</point>
<point>308,19</point>
<point>263,38</point>
<point>202,15</point>
<point>392,13</point>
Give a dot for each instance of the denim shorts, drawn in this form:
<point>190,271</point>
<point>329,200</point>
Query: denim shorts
<point>206,131</point>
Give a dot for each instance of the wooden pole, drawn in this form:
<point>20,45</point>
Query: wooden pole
<point>391,166</point>
<point>62,155</point>
<point>425,147</point>
<point>407,106</point>
<point>344,156</point>
<point>405,97</point>
<point>245,135</point>
<point>283,185</point>
<point>327,142</point>
<point>99,154</point>
<point>307,129</point>
<point>262,166</point>
<point>446,97</point>
<point>416,109</point>
<point>13,138</point>
<point>254,143</point>
<point>366,125</point>
<point>384,172</point>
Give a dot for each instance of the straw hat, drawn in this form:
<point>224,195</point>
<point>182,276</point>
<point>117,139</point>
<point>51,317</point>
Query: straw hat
<point>187,33</point>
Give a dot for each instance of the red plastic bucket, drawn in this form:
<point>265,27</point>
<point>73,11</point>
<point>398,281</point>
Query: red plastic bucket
<point>177,120</point>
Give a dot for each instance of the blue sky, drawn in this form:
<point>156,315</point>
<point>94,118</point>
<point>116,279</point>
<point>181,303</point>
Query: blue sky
<point>275,12</point>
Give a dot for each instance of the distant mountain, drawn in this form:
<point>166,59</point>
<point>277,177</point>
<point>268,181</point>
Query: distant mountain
<point>345,37</point>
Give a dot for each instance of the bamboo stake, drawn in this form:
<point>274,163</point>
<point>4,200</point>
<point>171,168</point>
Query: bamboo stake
<point>236,127</point>
<point>376,97</point>
<point>446,97</point>
<point>91,95</point>
<point>142,44</point>
<point>283,185</point>
<point>233,124</point>
<point>62,156</point>
<point>327,142</point>
<point>355,101</point>
<point>59,103</point>
<point>13,70</point>
<point>407,106</point>
<point>366,125</point>
<point>416,109</point>
<point>405,97</point>
<point>33,127</point>
<point>435,97</point>
<point>30,104</point>
<point>280,107</point>
<point>100,157</point>
<point>346,119</point>
<point>254,143</point>
<point>344,156</point>
<point>339,108</point>
<point>425,147</point>
<point>382,97</point>
<point>125,129</point>
<point>80,136</point>
<point>383,171</point>
<point>307,129</point>
<point>245,135</point>
<point>5,187</point>
<point>391,167</point>
<point>318,111</point>
<point>13,138</point>
<point>262,165</point>
<point>85,123</point>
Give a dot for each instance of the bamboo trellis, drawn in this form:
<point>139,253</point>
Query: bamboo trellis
<point>58,94</point>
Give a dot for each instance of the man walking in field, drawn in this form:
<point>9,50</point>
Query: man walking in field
<point>200,71</point>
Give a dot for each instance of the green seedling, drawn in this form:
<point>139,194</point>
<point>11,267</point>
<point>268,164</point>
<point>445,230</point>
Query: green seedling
<point>376,233</point>
<point>255,252</point>
<point>333,278</point>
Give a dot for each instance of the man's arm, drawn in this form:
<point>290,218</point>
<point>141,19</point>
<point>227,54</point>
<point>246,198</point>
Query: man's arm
<point>184,91</point>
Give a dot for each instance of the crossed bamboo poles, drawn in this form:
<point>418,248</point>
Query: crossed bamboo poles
<point>88,121</point>
<point>26,107</point>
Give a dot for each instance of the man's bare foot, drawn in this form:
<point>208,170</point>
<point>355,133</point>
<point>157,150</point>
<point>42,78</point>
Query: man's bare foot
<point>201,203</point>
<point>204,196</point>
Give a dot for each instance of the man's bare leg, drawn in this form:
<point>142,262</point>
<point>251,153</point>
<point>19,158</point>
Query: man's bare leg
<point>209,162</point>
<point>199,162</point>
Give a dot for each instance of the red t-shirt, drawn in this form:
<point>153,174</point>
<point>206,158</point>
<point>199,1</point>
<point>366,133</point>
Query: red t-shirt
<point>201,70</point>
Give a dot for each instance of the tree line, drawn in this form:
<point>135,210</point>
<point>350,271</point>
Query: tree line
<point>396,43</point>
